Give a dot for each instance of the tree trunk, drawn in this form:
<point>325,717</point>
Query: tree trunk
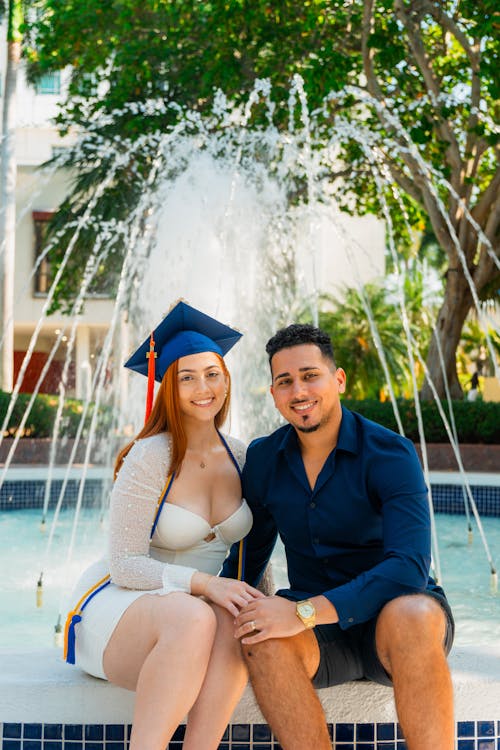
<point>8,174</point>
<point>457,303</point>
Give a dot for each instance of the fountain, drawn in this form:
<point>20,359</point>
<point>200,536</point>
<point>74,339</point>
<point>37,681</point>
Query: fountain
<point>220,229</point>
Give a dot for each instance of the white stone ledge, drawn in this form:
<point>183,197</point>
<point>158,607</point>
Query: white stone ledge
<point>38,687</point>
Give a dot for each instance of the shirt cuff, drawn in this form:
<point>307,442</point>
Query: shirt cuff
<point>177,578</point>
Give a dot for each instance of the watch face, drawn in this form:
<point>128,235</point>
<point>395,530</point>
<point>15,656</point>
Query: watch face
<point>306,610</point>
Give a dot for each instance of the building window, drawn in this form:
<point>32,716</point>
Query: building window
<point>49,83</point>
<point>104,283</point>
<point>43,278</point>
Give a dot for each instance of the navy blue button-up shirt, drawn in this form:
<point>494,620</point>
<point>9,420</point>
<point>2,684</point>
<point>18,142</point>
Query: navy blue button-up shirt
<point>360,537</point>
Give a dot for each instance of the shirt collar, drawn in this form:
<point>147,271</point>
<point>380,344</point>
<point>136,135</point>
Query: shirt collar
<point>347,440</point>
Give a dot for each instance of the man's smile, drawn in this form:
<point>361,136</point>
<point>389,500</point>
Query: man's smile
<point>303,406</point>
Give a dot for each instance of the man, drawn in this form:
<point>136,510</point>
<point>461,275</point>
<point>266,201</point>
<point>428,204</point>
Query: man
<point>348,499</point>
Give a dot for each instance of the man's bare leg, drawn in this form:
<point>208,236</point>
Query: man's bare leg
<point>280,671</point>
<point>410,637</point>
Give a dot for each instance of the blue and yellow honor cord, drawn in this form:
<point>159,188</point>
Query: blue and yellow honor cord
<point>75,615</point>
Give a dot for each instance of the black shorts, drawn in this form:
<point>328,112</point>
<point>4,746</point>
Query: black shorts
<point>351,654</point>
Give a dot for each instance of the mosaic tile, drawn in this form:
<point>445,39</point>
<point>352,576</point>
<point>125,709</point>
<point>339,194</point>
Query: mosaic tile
<point>363,736</point>
<point>114,732</point>
<point>73,731</point>
<point>52,732</point>
<point>365,732</point>
<point>179,732</point>
<point>385,731</point>
<point>240,732</point>
<point>22,494</point>
<point>261,732</point>
<point>485,728</point>
<point>94,732</point>
<point>466,729</point>
<point>11,745</point>
<point>12,730</point>
<point>344,732</point>
<point>32,731</point>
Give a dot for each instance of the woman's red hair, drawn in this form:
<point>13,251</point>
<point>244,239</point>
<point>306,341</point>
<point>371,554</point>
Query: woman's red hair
<point>166,416</point>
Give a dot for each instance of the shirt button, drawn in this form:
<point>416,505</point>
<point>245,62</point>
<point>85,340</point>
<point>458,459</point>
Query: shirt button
<point>351,619</point>
<point>316,540</point>
<point>312,505</point>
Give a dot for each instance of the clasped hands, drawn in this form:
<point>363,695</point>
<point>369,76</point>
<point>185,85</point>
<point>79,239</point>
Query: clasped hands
<point>257,617</point>
<point>267,617</point>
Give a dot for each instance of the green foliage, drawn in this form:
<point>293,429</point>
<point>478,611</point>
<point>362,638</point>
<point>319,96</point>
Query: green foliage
<point>41,418</point>
<point>416,80</point>
<point>476,422</point>
<point>354,337</point>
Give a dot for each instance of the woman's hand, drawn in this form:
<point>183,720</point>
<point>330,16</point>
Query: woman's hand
<point>226,592</point>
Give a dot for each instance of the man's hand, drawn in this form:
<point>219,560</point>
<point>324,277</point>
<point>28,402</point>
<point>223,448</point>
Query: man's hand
<point>272,617</point>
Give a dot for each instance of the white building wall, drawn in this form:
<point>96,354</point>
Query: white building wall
<point>43,189</point>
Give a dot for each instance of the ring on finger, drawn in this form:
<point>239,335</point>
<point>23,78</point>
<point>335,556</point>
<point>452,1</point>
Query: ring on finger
<point>252,625</point>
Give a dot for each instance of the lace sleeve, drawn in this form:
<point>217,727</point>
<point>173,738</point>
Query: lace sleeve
<point>238,449</point>
<point>134,499</point>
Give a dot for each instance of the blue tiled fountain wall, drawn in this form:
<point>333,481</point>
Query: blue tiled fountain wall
<point>21,494</point>
<point>471,735</point>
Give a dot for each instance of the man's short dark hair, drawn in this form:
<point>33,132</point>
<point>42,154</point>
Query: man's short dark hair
<point>298,334</point>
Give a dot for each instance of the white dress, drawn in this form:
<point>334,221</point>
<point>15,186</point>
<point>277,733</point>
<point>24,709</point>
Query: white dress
<point>137,564</point>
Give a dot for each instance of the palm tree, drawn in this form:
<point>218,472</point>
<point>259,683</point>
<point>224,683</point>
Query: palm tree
<point>349,328</point>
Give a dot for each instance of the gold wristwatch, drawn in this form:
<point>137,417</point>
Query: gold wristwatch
<point>306,612</point>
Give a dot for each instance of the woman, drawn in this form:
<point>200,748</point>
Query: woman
<point>152,628</point>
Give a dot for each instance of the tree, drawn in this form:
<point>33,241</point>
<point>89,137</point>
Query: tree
<point>346,320</point>
<point>443,60</point>
<point>8,173</point>
<point>416,78</point>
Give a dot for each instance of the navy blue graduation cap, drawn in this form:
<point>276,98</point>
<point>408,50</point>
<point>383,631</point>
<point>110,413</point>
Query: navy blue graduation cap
<point>183,331</point>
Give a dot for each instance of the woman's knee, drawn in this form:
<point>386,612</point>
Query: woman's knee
<point>185,615</point>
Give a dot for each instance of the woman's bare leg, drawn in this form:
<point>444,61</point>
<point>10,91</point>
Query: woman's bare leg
<point>161,648</point>
<point>224,683</point>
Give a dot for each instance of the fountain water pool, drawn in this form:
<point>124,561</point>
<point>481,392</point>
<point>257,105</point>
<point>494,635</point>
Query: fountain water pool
<point>23,554</point>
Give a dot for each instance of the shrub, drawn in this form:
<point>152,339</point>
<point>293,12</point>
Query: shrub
<point>41,418</point>
<point>476,421</point>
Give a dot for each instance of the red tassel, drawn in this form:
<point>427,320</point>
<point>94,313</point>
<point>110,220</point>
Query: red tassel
<point>151,355</point>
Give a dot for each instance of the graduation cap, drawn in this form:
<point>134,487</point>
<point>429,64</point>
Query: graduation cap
<point>183,331</point>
